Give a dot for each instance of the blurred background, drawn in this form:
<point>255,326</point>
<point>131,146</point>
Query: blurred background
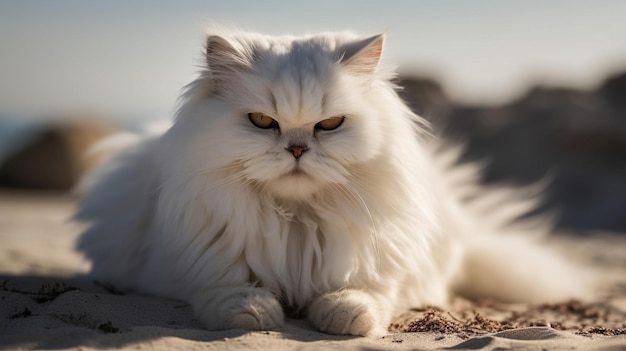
<point>534,88</point>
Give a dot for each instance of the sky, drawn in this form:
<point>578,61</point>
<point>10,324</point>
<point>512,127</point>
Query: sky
<point>132,58</point>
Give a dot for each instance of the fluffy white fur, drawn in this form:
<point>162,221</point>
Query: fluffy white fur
<point>368,222</point>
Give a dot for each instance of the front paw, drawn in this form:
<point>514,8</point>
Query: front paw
<point>350,312</point>
<point>241,307</point>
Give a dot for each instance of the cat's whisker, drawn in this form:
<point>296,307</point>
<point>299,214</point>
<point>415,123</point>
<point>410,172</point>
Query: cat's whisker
<point>228,180</point>
<point>360,176</point>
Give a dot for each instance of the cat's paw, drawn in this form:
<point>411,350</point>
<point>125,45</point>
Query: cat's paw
<point>349,312</point>
<point>242,307</point>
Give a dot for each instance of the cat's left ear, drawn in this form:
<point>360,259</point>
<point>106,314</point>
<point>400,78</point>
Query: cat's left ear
<point>362,57</point>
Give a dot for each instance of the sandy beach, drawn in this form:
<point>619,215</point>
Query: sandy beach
<point>45,304</point>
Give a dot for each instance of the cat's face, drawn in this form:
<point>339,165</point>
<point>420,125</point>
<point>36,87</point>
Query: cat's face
<point>299,115</point>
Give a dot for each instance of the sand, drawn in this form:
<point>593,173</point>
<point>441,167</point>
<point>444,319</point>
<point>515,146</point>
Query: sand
<point>45,304</point>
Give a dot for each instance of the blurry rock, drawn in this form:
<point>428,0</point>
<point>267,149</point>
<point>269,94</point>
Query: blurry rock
<point>614,89</point>
<point>577,138</point>
<point>54,159</point>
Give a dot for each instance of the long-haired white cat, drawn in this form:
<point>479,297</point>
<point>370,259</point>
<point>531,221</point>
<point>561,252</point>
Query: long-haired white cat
<point>295,179</point>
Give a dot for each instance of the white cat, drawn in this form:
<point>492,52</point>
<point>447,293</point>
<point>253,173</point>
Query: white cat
<point>295,179</point>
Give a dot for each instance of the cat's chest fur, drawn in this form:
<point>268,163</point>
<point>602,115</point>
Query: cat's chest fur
<point>304,250</point>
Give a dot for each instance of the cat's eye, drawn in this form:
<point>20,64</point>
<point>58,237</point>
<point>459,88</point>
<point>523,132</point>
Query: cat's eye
<point>262,120</point>
<point>330,123</point>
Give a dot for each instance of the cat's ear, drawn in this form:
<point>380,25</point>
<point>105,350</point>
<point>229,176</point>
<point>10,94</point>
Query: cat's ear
<point>362,57</point>
<point>223,57</point>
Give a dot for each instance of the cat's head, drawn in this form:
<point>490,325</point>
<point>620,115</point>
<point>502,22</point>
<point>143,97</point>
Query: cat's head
<point>290,115</point>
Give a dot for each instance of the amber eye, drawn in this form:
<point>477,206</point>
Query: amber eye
<point>262,120</point>
<point>330,123</point>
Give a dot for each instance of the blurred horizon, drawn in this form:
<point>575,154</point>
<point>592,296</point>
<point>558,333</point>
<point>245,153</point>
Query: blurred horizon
<point>131,59</point>
<point>537,87</point>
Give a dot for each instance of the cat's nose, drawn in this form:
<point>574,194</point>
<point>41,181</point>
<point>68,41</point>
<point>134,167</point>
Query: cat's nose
<point>297,150</point>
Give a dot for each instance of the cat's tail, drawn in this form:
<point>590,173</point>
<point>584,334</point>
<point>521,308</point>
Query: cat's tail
<point>515,268</point>
<point>506,254</point>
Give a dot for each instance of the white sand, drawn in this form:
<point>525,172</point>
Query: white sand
<point>42,307</point>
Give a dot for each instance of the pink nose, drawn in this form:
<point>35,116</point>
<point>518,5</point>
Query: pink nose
<point>297,150</point>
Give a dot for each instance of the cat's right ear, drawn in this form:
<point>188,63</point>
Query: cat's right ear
<point>363,56</point>
<point>223,57</point>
